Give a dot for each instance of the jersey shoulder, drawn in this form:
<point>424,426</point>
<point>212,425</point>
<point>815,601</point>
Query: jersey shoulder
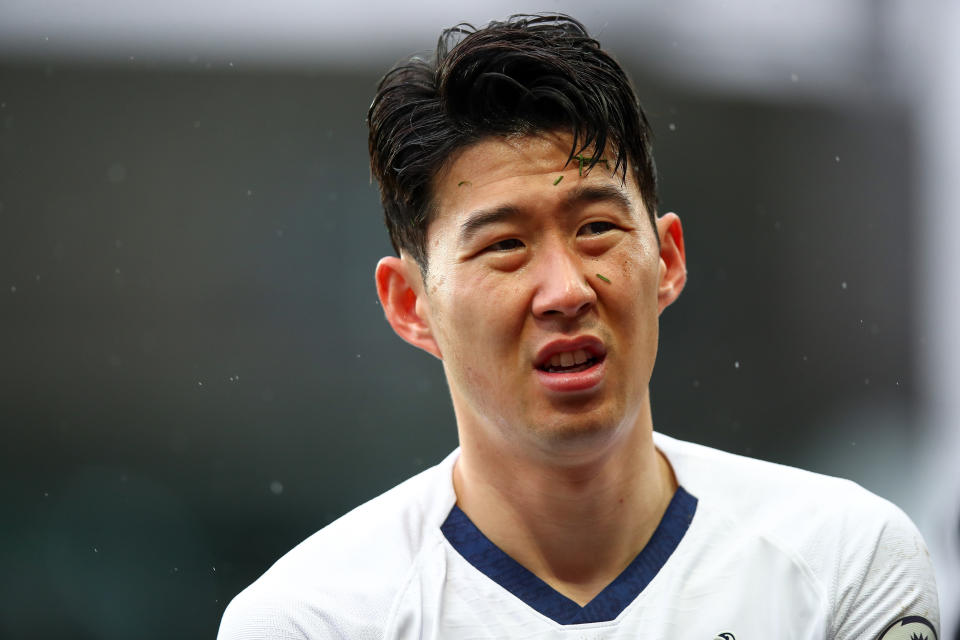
<point>342,580</point>
<point>862,552</point>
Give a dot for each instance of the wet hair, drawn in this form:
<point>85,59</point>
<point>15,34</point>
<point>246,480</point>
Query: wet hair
<point>525,75</point>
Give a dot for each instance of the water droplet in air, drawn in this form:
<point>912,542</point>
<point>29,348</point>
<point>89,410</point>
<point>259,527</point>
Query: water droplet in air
<point>794,77</point>
<point>836,158</point>
<point>13,289</point>
<point>672,126</point>
<point>276,487</point>
<point>843,285</point>
<point>736,365</point>
<point>249,192</point>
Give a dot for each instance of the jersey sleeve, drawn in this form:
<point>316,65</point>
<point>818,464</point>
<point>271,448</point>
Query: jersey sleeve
<point>886,588</point>
<point>247,618</point>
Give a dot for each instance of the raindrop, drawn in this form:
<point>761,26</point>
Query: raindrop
<point>199,383</point>
<point>37,277</point>
<point>249,192</point>
<point>794,77</point>
<point>46,494</point>
<point>672,126</point>
<point>843,285</point>
<point>13,289</point>
<point>276,487</point>
<point>95,550</point>
<point>736,365</point>
<point>836,158</point>
<point>214,569</point>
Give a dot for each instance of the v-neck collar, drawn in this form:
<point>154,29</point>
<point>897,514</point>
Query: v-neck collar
<point>479,551</point>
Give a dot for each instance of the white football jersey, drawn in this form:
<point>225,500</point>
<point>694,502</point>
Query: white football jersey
<point>747,550</point>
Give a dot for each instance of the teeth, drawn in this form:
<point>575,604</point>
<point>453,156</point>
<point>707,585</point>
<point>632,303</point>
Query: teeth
<point>569,358</point>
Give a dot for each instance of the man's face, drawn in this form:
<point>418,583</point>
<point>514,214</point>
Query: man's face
<point>542,294</point>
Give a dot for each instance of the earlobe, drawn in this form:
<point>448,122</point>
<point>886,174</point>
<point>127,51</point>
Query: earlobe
<point>673,260</point>
<point>401,292</point>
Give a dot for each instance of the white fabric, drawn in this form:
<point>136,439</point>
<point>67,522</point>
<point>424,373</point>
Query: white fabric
<point>772,552</point>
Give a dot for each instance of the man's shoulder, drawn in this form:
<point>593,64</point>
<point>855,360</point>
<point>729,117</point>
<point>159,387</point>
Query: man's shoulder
<point>342,579</point>
<point>860,552</point>
<point>768,491</point>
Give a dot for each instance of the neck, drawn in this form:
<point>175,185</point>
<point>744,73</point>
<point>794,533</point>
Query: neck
<point>575,522</point>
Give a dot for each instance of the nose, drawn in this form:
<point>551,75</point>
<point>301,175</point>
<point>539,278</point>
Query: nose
<point>562,286</point>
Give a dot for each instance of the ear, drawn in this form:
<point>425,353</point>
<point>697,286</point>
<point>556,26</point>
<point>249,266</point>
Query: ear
<point>673,260</point>
<point>401,291</point>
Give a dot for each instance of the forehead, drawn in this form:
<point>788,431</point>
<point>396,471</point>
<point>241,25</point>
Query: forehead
<point>518,171</point>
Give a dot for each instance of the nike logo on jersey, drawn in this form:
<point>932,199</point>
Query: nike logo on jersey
<point>726,635</point>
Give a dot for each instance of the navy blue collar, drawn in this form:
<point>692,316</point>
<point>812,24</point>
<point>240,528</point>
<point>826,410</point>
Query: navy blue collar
<point>470,543</point>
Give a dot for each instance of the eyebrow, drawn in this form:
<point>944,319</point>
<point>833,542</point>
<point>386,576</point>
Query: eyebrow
<point>588,193</point>
<point>485,217</point>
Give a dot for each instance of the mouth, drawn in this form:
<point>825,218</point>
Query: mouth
<point>570,362</point>
<point>571,365</point>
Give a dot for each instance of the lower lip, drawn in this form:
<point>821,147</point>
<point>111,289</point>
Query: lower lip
<point>573,381</point>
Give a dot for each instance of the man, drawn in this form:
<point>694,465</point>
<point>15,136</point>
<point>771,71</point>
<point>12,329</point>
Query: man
<point>520,193</point>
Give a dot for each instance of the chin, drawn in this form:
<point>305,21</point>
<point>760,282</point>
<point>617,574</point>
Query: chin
<point>578,436</point>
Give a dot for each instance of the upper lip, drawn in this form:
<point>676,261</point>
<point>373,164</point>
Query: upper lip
<point>591,344</point>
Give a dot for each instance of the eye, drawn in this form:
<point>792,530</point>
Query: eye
<point>596,228</point>
<point>505,245</point>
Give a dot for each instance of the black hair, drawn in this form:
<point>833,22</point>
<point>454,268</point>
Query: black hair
<point>523,75</point>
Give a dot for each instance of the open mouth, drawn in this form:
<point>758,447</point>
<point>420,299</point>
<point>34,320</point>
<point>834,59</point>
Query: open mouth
<point>570,362</point>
